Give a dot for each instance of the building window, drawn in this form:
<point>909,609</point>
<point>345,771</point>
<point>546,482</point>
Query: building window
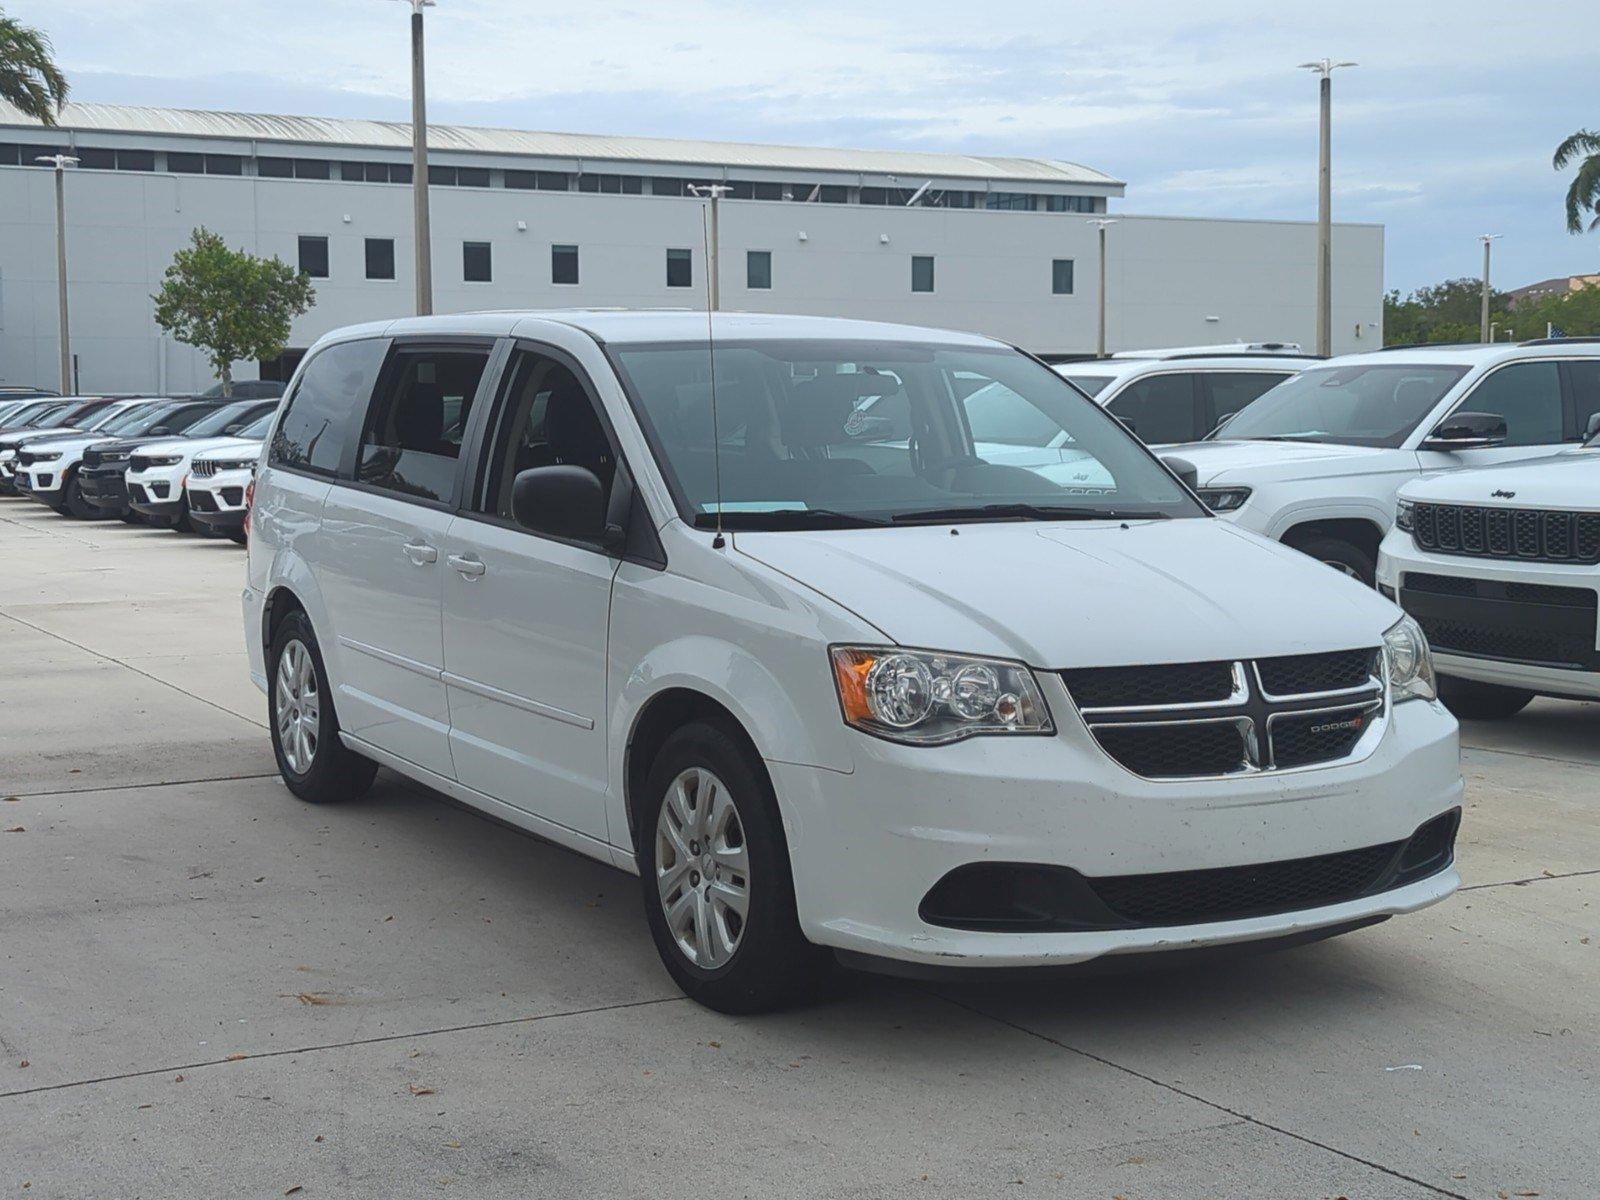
<point>294,168</point>
<point>114,160</point>
<point>922,272</point>
<point>1061,277</point>
<point>475,262</point>
<point>459,176</point>
<point>680,269</point>
<point>224,164</point>
<point>563,264</point>
<point>1077,204</point>
<point>375,172</point>
<point>380,258</point>
<point>628,185</point>
<point>204,164</point>
<point>544,181</point>
<point>314,256</point>
<point>758,270</point>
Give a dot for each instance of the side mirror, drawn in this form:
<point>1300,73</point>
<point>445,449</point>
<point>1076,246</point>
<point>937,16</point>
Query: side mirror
<point>1467,431</point>
<point>1221,425</point>
<point>1184,470</point>
<point>564,502</point>
<point>158,431</point>
<point>1592,429</point>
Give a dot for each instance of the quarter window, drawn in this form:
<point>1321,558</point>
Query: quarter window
<point>316,425</point>
<point>1159,408</point>
<point>1528,396</point>
<point>414,429</point>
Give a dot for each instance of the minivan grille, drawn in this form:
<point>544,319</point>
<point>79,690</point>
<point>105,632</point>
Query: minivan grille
<point>1190,720</point>
<point>1537,535</point>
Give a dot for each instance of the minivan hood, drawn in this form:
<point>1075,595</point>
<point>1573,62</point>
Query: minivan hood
<point>1083,594</point>
<point>1246,462</point>
<point>1569,480</point>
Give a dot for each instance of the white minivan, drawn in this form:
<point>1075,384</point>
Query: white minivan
<point>761,621</point>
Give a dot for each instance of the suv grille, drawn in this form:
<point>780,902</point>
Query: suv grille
<point>202,468</point>
<point>1537,535</point>
<point>1541,623</point>
<point>1189,720</point>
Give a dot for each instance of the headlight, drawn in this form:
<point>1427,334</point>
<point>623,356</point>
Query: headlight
<point>927,699</point>
<point>165,460</point>
<point>1405,649</point>
<point>1405,514</point>
<point>1224,499</point>
<point>51,457</point>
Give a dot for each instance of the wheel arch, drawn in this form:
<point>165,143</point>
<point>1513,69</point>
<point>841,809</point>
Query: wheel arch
<point>1362,532</point>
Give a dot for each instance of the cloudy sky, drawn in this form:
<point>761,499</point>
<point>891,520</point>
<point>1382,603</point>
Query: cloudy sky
<point>1443,132</point>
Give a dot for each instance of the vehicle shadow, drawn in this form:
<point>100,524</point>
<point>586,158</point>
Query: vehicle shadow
<point>1564,729</point>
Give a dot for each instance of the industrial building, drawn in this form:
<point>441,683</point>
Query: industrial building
<point>1003,246</point>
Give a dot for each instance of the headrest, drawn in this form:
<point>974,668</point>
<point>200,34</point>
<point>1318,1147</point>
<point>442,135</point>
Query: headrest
<point>571,427</point>
<point>819,408</point>
<point>420,423</point>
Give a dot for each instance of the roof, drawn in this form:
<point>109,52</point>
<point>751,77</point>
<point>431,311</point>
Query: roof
<point>1122,368</point>
<point>1472,354</point>
<point>645,326</point>
<point>396,135</point>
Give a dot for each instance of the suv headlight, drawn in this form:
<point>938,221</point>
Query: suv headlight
<point>164,460</point>
<point>927,699</point>
<point>1223,499</point>
<point>1405,650</point>
<point>53,456</point>
<point>1405,515</point>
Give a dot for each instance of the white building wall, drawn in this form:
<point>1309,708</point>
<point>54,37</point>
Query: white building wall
<point>1171,281</point>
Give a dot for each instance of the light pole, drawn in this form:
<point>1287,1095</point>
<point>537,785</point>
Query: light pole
<point>419,162</point>
<point>1485,334</point>
<point>715,191</point>
<point>1325,67</point>
<point>61,162</point>
<point>1102,224</point>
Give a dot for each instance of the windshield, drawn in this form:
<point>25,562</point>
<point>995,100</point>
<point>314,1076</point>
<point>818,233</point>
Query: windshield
<point>1368,405</point>
<point>174,418</point>
<point>817,434</point>
<point>34,413</point>
<point>224,419</point>
<point>127,418</point>
<point>258,428</point>
<point>1092,385</point>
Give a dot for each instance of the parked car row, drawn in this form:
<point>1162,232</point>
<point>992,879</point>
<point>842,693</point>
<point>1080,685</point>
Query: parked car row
<point>173,462</point>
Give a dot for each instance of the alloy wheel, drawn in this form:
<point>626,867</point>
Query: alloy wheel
<point>299,706</point>
<point>702,868</point>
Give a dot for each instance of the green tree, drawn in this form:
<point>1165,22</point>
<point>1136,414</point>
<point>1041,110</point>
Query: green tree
<point>1445,312</point>
<point>29,77</point>
<point>1583,196</point>
<point>230,304</point>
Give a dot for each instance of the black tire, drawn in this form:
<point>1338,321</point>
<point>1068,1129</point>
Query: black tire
<point>131,517</point>
<point>330,771</point>
<point>772,965</point>
<point>1345,557</point>
<point>181,522</point>
<point>74,503</point>
<point>1475,701</point>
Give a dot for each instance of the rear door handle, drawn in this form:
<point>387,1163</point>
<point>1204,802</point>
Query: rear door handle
<point>470,568</point>
<point>421,554</point>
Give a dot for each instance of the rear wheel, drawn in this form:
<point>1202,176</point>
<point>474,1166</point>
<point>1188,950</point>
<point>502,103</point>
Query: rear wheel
<point>1482,701</point>
<point>718,891</point>
<point>314,763</point>
<point>1345,557</point>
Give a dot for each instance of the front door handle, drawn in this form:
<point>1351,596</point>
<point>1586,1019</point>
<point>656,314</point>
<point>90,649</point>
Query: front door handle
<point>470,568</point>
<point>421,554</point>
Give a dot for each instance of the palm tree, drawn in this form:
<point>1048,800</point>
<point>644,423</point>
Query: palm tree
<point>29,77</point>
<point>1585,190</point>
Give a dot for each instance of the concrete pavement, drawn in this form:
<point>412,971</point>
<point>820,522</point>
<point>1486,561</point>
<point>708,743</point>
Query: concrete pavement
<point>219,990</point>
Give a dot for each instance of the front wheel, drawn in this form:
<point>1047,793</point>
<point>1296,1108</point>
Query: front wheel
<point>718,891</point>
<point>314,763</point>
<point>1345,557</point>
<point>1476,701</point>
<point>75,503</point>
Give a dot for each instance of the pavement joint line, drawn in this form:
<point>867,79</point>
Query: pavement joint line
<point>134,787</point>
<point>371,1041</point>
<point>49,531</point>
<point>130,667</point>
<point>1478,887</point>
<point>1223,1108</point>
<point>1571,762</point>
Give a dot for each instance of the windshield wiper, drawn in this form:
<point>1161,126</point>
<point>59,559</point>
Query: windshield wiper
<point>789,518</point>
<point>1027,512</point>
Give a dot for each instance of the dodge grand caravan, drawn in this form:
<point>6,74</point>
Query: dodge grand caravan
<point>834,678</point>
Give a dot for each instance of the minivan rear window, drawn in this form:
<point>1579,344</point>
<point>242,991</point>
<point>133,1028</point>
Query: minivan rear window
<point>321,417</point>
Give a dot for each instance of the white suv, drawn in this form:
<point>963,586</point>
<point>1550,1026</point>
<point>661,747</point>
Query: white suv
<point>156,471</point>
<point>1501,567</point>
<point>1181,395</point>
<point>218,483</point>
<point>826,689</point>
<point>1316,463</point>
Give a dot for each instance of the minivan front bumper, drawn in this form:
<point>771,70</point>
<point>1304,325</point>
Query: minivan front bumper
<point>869,847</point>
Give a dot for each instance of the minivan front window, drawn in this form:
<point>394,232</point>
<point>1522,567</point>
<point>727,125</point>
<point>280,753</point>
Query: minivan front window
<point>1369,405</point>
<point>812,434</point>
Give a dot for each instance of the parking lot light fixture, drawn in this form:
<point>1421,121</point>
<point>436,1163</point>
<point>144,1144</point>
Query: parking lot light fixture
<point>419,162</point>
<point>61,162</point>
<point>1325,67</point>
<point>714,192</point>
<point>1485,333</point>
<point>1102,224</point>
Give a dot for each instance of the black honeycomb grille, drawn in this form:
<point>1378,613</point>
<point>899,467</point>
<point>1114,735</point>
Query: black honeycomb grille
<point>1176,750</point>
<point>1232,893</point>
<point>1538,535</point>
<point>1301,739</point>
<point>1145,687</point>
<point>1481,641</point>
<point>1303,673</point>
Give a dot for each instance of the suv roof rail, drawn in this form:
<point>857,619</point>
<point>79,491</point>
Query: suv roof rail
<point>1560,341</point>
<point>1439,346</point>
<point>1265,354</point>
